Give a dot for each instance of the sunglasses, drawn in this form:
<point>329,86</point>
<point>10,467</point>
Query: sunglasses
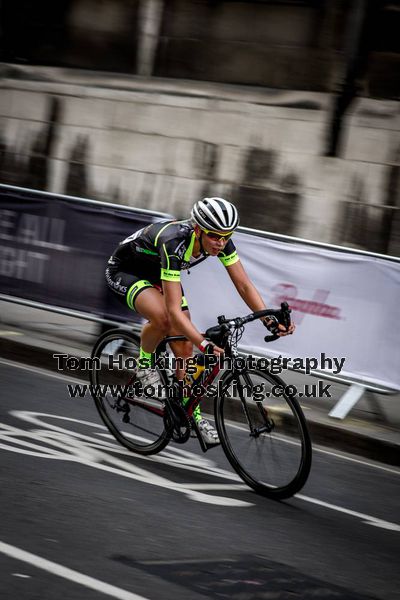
<point>217,235</point>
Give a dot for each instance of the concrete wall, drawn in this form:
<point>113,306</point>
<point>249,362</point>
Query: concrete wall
<point>280,45</point>
<point>273,43</point>
<point>161,145</point>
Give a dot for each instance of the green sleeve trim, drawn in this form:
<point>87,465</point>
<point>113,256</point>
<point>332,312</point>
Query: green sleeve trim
<point>167,275</point>
<point>161,230</point>
<point>227,261</point>
<point>188,253</point>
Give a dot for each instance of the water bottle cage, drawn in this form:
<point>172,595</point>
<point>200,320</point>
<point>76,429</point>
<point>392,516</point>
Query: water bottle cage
<point>197,376</point>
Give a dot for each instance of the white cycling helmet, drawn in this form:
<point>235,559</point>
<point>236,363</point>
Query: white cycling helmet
<point>216,214</point>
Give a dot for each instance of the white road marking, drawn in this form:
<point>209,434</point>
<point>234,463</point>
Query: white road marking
<point>357,460</point>
<point>365,518</point>
<point>234,487</point>
<point>21,575</point>
<point>5,333</point>
<point>58,443</point>
<point>66,573</point>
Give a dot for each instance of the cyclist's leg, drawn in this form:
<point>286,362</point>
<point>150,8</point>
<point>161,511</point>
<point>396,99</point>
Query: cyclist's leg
<point>183,349</point>
<point>151,305</point>
<point>130,289</point>
<point>146,298</point>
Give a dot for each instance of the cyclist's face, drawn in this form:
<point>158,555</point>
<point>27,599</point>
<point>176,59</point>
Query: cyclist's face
<point>215,241</point>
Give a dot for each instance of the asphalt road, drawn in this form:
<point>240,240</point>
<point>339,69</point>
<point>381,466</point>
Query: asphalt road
<point>83,518</point>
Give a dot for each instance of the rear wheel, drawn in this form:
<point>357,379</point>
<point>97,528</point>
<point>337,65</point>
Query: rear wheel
<point>264,433</point>
<point>137,422</point>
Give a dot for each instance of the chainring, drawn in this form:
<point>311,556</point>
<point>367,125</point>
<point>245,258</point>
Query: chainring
<point>177,423</point>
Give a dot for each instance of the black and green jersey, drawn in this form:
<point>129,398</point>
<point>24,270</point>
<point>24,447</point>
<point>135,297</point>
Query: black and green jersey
<point>162,250</point>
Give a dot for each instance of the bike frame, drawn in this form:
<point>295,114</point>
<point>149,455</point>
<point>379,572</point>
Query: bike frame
<point>210,377</point>
<point>194,400</point>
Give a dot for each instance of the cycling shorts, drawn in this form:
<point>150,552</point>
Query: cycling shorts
<point>127,286</point>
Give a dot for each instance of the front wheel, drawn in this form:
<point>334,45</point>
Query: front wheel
<point>137,422</point>
<point>263,433</point>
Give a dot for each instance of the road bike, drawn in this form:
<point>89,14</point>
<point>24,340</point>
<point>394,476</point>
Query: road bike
<point>260,423</point>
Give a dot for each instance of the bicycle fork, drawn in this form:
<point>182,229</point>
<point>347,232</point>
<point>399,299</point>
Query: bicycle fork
<point>268,423</point>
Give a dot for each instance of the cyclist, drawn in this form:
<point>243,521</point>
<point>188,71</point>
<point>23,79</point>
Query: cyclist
<point>144,272</point>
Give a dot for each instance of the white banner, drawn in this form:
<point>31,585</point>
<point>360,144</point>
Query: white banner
<point>345,306</point>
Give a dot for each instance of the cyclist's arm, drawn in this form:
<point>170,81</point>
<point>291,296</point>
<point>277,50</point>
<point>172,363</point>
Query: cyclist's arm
<point>248,291</point>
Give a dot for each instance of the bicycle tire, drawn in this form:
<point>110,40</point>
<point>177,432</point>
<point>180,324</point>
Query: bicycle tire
<point>131,421</point>
<point>285,452</point>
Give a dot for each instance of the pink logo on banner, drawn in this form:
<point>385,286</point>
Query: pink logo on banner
<point>287,292</point>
